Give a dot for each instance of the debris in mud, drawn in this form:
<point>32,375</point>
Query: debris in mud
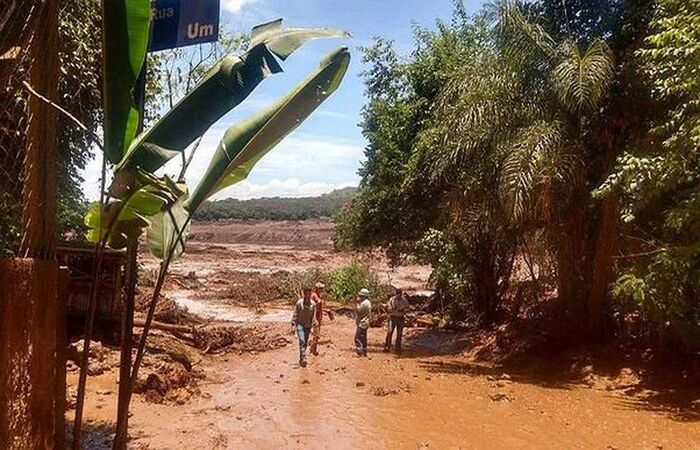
<point>167,311</point>
<point>359,383</point>
<point>71,397</point>
<point>249,289</point>
<point>383,391</point>
<point>100,360</point>
<point>244,338</point>
<point>499,397</point>
<point>170,383</point>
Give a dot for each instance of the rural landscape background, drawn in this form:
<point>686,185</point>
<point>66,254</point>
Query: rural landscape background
<point>527,172</point>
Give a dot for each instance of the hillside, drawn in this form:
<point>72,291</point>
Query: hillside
<point>276,208</point>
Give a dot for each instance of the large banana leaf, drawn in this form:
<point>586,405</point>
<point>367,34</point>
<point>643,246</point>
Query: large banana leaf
<point>121,217</point>
<point>225,86</point>
<point>168,231</point>
<point>248,141</point>
<point>125,36</point>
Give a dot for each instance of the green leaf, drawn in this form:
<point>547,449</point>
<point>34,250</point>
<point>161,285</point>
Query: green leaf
<point>224,87</point>
<point>125,31</point>
<point>284,42</point>
<point>133,214</point>
<point>246,142</point>
<point>168,231</point>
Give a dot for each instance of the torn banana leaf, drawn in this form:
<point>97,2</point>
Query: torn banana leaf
<point>168,231</point>
<point>224,87</point>
<point>245,143</point>
<point>121,218</point>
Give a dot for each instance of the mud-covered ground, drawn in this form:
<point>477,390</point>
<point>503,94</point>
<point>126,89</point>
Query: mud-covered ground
<point>441,393</point>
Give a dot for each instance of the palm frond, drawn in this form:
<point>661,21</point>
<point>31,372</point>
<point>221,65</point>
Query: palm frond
<point>473,109</point>
<point>581,81</point>
<point>542,161</point>
<point>517,33</point>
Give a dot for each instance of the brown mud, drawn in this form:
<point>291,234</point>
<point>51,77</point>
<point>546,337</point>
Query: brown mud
<point>442,392</point>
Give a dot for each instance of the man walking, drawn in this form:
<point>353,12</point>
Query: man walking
<point>397,308</point>
<point>320,309</point>
<point>362,319</point>
<point>303,320</point>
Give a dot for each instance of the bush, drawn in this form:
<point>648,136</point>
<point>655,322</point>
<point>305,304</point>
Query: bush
<point>349,279</point>
<point>292,284</point>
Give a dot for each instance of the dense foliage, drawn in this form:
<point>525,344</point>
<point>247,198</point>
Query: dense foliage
<point>342,284</point>
<point>349,279</point>
<point>80,84</point>
<point>276,208</point>
<point>553,143</point>
<point>658,180</point>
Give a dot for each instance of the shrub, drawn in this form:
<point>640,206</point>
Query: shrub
<point>292,284</point>
<point>350,278</point>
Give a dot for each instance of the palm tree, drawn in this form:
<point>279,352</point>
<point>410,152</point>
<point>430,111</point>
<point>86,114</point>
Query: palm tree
<point>521,124</point>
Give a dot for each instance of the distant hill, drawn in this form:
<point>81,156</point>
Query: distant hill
<point>276,208</point>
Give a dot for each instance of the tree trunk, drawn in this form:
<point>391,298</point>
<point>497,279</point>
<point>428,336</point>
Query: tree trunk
<point>572,262</point>
<point>605,247</point>
<point>121,434</point>
<point>486,282</point>
<point>41,164</point>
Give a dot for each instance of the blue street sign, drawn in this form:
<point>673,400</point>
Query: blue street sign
<point>178,23</point>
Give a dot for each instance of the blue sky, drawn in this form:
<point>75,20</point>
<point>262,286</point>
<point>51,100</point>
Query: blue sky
<point>325,152</point>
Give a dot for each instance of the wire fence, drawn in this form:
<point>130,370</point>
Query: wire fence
<point>18,24</point>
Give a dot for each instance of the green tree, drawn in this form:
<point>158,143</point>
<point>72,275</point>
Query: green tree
<point>498,128</point>
<point>411,199</point>
<point>658,180</point>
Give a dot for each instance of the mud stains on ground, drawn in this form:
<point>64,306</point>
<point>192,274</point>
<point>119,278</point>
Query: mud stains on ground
<point>448,389</point>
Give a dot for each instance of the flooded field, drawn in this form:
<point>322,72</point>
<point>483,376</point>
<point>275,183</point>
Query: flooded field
<point>436,395</point>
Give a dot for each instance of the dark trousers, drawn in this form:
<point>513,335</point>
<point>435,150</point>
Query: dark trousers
<point>394,323</point>
<point>361,341</point>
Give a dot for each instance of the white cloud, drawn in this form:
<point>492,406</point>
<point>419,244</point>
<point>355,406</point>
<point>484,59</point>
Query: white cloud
<point>91,176</point>
<point>301,165</point>
<point>235,6</point>
<point>319,165</point>
<point>337,115</point>
<point>291,187</point>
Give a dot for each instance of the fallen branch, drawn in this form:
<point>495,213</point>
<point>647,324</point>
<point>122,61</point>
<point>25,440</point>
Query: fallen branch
<point>81,125</point>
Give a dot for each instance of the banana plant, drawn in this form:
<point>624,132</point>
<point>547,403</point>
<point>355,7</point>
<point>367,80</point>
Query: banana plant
<point>222,88</point>
<point>243,145</point>
<point>138,199</point>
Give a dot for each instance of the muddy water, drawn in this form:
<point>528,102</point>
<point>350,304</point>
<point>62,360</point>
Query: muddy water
<point>226,313</point>
<point>343,402</point>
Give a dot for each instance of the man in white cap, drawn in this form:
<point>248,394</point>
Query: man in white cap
<point>320,306</point>
<point>362,319</point>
